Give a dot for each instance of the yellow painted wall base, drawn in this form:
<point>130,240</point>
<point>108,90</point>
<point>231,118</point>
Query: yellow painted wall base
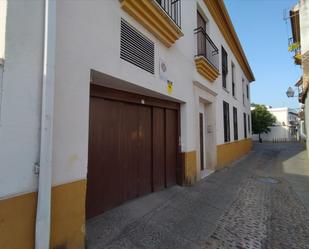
<point>190,167</point>
<point>17,218</point>
<point>229,152</point>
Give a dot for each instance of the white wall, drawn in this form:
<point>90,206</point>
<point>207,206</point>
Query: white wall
<point>3,8</point>
<point>281,131</point>
<point>20,109</point>
<point>276,133</point>
<point>304,25</point>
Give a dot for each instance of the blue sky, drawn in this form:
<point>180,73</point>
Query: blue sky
<point>264,37</point>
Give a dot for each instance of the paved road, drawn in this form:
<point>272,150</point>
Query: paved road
<point>261,201</point>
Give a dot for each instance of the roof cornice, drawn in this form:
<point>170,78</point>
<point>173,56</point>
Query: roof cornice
<point>219,13</point>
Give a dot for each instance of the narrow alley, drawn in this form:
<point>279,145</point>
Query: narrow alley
<point>260,201</point>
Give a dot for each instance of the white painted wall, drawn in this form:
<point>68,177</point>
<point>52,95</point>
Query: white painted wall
<point>20,108</point>
<point>304,25</point>
<point>3,8</point>
<point>88,37</point>
<point>281,130</point>
<point>278,133</point>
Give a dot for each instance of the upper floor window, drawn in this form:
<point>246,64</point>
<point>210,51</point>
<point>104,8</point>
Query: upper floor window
<point>247,91</point>
<point>172,9</point>
<point>207,49</point>
<point>233,79</point>
<point>224,67</point>
<point>243,91</point>
<point>162,18</point>
<point>226,121</point>
<point>245,125</point>
<point>235,123</point>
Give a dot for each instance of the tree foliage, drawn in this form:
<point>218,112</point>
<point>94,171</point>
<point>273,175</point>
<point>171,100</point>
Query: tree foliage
<point>262,119</point>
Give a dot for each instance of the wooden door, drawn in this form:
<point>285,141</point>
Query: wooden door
<point>201,140</point>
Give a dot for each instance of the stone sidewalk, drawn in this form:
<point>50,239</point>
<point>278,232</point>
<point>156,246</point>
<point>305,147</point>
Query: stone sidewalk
<point>260,201</point>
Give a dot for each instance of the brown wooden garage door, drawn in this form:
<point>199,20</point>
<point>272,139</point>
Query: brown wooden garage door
<point>133,147</point>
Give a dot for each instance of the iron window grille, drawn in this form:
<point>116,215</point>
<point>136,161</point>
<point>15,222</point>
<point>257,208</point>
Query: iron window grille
<point>235,122</point>
<point>224,67</point>
<point>233,79</point>
<point>245,125</point>
<point>226,121</point>
<point>173,9</point>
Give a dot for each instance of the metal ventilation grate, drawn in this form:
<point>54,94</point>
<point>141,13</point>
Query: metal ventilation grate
<point>136,48</point>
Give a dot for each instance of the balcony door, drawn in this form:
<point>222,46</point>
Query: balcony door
<point>201,41</point>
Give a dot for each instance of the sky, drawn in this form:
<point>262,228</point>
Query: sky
<point>264,37</point>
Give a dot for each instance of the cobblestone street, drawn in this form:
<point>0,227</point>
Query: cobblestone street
<point>260,201</point>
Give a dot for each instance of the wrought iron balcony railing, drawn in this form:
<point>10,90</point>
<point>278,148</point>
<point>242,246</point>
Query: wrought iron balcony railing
<point>206,47</point>
<point>173,9</point>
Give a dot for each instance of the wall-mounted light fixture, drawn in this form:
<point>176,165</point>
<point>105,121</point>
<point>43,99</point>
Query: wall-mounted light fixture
<point>290,92</point>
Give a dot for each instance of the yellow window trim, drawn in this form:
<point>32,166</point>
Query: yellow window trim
<point>153,18</point>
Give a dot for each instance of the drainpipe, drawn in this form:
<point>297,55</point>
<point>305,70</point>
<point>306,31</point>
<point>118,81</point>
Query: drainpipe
<point>44,169</point>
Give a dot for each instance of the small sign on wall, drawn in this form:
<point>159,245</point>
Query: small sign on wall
<point>163,72</point>
<point>169,87</point>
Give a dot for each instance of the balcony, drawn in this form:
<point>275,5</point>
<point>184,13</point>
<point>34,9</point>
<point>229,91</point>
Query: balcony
<point>161,17</point>
<point>301,91</point>
<point>207,57</point>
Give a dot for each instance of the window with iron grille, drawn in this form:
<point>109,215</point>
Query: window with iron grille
<point>235,122</point>
<point>205,45</point>
<point>226,121</point>
<point>243,89</point>
<point>201,41</point>
<point>245,125</point>
<point>173,9</point>
<point>224,67</point>
<point>233,79</point>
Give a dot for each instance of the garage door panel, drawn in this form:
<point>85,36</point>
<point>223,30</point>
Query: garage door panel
<point>110,154</point>
<point>158,149</point>
<point>129,142</point>
<point>103,153</point>
<point>145,164</point>
<point>171,146</point>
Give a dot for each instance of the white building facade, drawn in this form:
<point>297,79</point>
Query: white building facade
<point>131,88</point>
<point>286,129</point>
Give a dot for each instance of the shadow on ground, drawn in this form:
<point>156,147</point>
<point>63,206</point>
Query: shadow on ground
<point>228,209</point>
